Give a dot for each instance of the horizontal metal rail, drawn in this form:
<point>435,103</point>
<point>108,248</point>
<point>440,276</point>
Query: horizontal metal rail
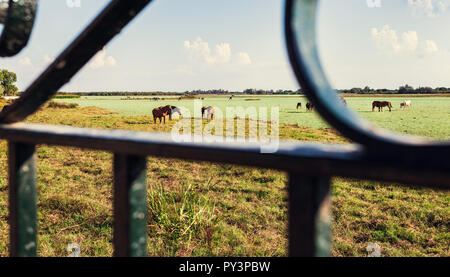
<point>312,159</point>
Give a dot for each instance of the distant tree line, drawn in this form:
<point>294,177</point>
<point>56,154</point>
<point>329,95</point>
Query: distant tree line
<point>269,92</point>
<point>192,92</point>
<point>120,93</point>
<point>8,88</point>
<point>209,91</point>
<point>406,89</point>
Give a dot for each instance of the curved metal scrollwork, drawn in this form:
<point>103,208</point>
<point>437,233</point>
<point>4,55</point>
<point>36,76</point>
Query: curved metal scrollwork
<point>18,19</point>
<point>300,19</point>
<point>102,29</point>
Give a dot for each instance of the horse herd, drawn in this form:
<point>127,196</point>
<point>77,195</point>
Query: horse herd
<point>310,106</point>
<point>380,104</point>
<point>375,104</point>
<point>163,111</point>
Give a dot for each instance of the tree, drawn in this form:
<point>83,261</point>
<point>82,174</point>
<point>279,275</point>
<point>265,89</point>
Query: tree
<point>424,90</point>
<point>406,89</point>
<point>7,80</point>
<point>355,90</point>
<point>367,89</point>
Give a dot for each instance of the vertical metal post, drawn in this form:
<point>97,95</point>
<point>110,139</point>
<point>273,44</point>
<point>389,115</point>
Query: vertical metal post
<point>130,206</point>
<point>22,199</point>
<point>309,216</point>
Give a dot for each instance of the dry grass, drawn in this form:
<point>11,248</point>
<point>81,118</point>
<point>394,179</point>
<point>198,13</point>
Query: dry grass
<point>203,209</point>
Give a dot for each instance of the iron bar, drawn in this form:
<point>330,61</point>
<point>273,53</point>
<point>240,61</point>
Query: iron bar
<point>309,215</point>
<point>22,199</point>
<point>312,158</point>
<point>130,206</point>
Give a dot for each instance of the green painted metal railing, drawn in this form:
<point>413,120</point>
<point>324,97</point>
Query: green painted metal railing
<point>309,166</point>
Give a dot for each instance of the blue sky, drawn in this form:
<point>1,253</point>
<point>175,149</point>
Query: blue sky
<point>178,45</point>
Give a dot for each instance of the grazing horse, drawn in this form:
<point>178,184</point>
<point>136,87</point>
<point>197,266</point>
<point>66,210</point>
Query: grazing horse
<point>175,110</point>
<point>405,104</point>
<point>169,109</point>
<point>309,106</point>
<point>380,105</point>
<point>299,105</point>
<point>161,113</point>
<point>209,112</point>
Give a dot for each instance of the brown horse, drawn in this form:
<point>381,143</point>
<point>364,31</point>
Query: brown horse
<point>168,108</point>
<point>380,105</point>
<point>309,106</point>
<point>343,100</point>
<point>299,105</point>
<point>161,113</point>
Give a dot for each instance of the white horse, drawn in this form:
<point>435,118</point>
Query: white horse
<point>209,112</point>
<point>405,104</point>
<point>176,110</point>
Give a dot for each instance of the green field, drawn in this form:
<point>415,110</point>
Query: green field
<point>428,116</point>
<point>204,209</point>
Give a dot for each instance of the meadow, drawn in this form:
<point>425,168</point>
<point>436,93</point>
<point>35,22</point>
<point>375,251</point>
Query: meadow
<point>204,209</point>
<point>428,117</point>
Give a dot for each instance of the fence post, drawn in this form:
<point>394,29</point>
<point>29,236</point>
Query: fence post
<point>309,215</point>
<point>130,206</point>
<point>22,199</point>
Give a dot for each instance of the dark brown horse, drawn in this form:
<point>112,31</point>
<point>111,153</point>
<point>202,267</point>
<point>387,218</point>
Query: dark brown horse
<point>309,106</point>
<point>161,113</point>
<point>299,105</point>
<point>380,105</point>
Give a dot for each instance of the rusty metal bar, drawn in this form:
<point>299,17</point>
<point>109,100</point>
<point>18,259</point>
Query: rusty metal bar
<point>309,222</point>
<point>307,158</point>
<point>22,199</point>
<point>130,206</point>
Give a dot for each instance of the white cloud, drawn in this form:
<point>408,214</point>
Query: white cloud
<point>223,53</point>
<point>199,50</point>
<point>442,7</point>
<point>243,58</point>
<point>429,46</point>
<point>429,8</point>
<point>26,61</point>
<point>48,59</point>
<point>387,40</point>
<point>102,60</point>
<point>215,59</point>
